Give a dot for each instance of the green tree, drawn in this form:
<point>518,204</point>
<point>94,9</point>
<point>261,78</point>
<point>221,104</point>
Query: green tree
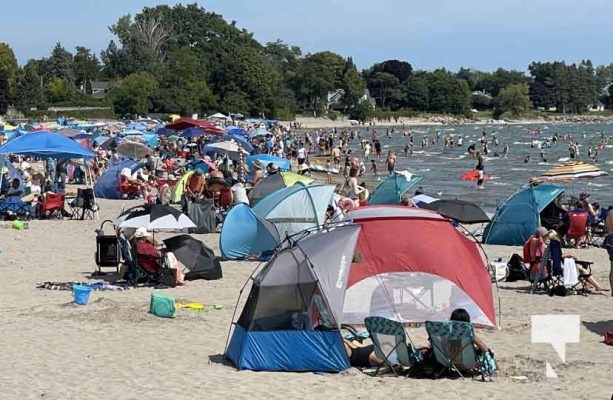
<point>134,94</point>
<point>86,68</point>
<point>352,83</point>
<point>514,99</point>
<point>4,91</point>
<point>418,95</point>
<point>8,63</point>
<point>314,79</point>
<point>448,94</point>
<point>58,65</point>
<point>29,91</point>
<point>183,88</point>
<point>60,90</point>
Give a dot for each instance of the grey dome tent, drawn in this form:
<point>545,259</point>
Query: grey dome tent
<point>291,319</point>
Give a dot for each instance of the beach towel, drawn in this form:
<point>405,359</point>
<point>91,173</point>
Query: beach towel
<point>570,273</point>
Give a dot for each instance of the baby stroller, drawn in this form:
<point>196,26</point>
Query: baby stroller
<point>108,249</point>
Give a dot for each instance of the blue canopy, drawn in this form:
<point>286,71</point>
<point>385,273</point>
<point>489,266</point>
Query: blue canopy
<point>46,145</point>
<point>246,235</point>
<point>107,187</point>
<point>192,132</point>
<point>235,130</point>
<point>519,216</point>
<point>283,163</point>
<point>391,190</point>
<point>165,131</point>
<point>136,126</point>
<point>259,132</point>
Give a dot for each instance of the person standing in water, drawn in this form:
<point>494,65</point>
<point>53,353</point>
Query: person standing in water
<point>480,170</point>
<point>391,162</point>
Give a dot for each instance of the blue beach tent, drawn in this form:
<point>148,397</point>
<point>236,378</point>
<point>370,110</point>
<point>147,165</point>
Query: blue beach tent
<point>391,190</point>
<point>246,235</point>
<point>519,216</point>
<point>107,187</point>
<point>45,144</point>
<point>296,208</point>
<point>291,319</point>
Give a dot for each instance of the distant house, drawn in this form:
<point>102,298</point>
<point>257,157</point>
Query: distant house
<point>99,89</point>
<point>599,106</point>
<point>367,97</point>
<point>334,99</point>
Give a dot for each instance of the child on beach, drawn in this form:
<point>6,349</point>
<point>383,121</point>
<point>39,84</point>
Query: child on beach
<point>373,168</point>
<point>328,172</point>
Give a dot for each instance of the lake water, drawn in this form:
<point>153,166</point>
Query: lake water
<point>442,167</point>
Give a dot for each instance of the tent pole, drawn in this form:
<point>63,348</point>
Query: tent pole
<point>1,166</point>
<point>487,260</point>
<point>240,294</point>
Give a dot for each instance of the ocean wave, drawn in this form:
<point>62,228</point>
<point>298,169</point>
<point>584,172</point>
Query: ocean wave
<point>597,185</point>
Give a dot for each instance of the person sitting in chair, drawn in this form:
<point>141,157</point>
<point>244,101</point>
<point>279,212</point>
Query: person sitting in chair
<point>15,189</point>
<point>460,314</point>
<point>360,355</point>
<point>147,251</point>
<point>194,186</point>
<point>554,252</point>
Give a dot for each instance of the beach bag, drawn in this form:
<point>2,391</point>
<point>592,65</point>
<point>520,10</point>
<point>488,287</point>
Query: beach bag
<point>162,306</point>
<point>517,269</point>
<point>559,290</point>
<point>487,364</point>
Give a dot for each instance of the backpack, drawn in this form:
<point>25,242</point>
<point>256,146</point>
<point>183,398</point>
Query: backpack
<point>517,269</point>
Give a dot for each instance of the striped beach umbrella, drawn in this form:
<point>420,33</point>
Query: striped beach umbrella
<point>571,171</point>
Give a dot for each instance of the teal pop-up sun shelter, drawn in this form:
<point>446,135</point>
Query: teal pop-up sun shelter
<point>391,190</point>
<point>519,216</point>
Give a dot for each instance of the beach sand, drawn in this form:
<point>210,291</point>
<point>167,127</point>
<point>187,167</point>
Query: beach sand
<point>113,349</point>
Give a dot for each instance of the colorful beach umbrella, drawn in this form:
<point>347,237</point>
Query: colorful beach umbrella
<point>154,217</point>
<point>133,150</point>
<point>571,171</point>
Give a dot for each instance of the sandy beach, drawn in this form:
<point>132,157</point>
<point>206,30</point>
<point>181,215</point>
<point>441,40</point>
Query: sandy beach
<point>113,349</point>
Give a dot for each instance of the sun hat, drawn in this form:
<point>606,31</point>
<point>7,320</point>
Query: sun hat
<point>541,231</point>
<point>258,164</point>
<point>5,170</point>
<point>142,232</point>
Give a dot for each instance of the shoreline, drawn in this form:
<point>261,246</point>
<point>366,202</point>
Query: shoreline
<point>443,121</point>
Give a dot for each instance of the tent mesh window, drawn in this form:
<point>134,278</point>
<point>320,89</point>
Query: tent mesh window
<point>285,296</point>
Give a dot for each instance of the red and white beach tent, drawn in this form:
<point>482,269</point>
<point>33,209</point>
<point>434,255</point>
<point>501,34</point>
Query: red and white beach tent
<point>413,265</point>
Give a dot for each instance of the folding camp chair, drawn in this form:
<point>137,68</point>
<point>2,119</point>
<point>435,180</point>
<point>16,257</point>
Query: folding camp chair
<point>577,233</point>
<point>390,342</point>
<point>84,205</point>
<point>452,343</point>
<point>53,206</point>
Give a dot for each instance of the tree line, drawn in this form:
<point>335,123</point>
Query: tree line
<point>186,60</point>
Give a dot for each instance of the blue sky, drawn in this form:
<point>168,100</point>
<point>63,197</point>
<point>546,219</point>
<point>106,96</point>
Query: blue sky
<point>482,34</point>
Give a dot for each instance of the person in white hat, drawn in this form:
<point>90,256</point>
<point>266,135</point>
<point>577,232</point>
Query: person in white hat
<point>148,255</point>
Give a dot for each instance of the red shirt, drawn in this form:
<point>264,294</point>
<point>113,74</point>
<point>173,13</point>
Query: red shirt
<point>148,255</point>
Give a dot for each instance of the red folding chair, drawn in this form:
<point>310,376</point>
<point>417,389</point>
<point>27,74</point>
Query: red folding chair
<point>53,206</point>
<point>577,228</point>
